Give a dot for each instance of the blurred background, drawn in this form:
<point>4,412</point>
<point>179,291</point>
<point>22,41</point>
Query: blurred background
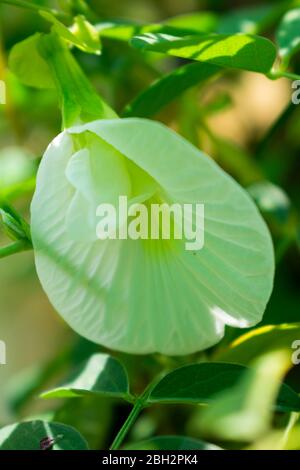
<point>253,123</point>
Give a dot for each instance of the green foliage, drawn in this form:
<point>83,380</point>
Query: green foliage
<point>82,35</point>
<point>166,89</point>
<point>201,383</point>
<point>244,412</point>
<point>99,375</point>
<point>39,74</point>
<point>288,35</point>
<point>241,51</point>
<point>28,436</point>
<point>260,341</point>
<point>243,392</point>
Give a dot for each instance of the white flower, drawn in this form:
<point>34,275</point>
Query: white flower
<point>144,296</point>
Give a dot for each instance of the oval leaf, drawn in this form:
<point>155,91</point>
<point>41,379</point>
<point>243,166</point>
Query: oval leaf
<point>201,383</point>
<point>240,51</point>
<point>41,435</point>
<point>244,413</point>
<point>99,375</point>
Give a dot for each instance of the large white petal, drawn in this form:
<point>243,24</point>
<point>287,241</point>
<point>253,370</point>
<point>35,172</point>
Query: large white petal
<point>144,296</point>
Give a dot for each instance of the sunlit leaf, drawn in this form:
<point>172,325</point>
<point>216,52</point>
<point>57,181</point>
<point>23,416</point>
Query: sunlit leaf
<point>26,52</point>
<point>82,35</point>
<point>87,34</point>
<point>99,375</point>
<point>240,51</point>
<point>260,341</point>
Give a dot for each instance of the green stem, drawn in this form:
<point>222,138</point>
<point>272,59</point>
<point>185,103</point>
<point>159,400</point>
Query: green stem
<point>13,248</point>
<point>132,417</point>
<point>79,101</point>
<point>139,405</point>
<point>283,74</point>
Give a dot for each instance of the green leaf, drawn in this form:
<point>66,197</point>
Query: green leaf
<point>288,34</point>
<point>260,341</point>
<point>79,100</point>
<point>99,375</point>
<point>244,20</point>
<point>12,227</point>
<point>163,91</point>
<point>200,383</point>
<point>240,51</point>
<point>91,415</point>
<point>15,226</point>
<point>118,31</point>
<point>172,443</point>
<point>87,34</point>
<point>195,383</point>
<point>288,400</point>
<point>28,436</point>
<point>26,52</point>
<point>244,412</point>
<point>82,35</point>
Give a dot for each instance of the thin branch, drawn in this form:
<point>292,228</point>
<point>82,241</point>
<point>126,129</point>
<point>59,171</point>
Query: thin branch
<point>13,248</point>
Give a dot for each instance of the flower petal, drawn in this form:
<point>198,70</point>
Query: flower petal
<point>143,296</point>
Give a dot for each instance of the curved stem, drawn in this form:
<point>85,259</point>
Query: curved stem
<point>282,74</point>
<point>79,101</point>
